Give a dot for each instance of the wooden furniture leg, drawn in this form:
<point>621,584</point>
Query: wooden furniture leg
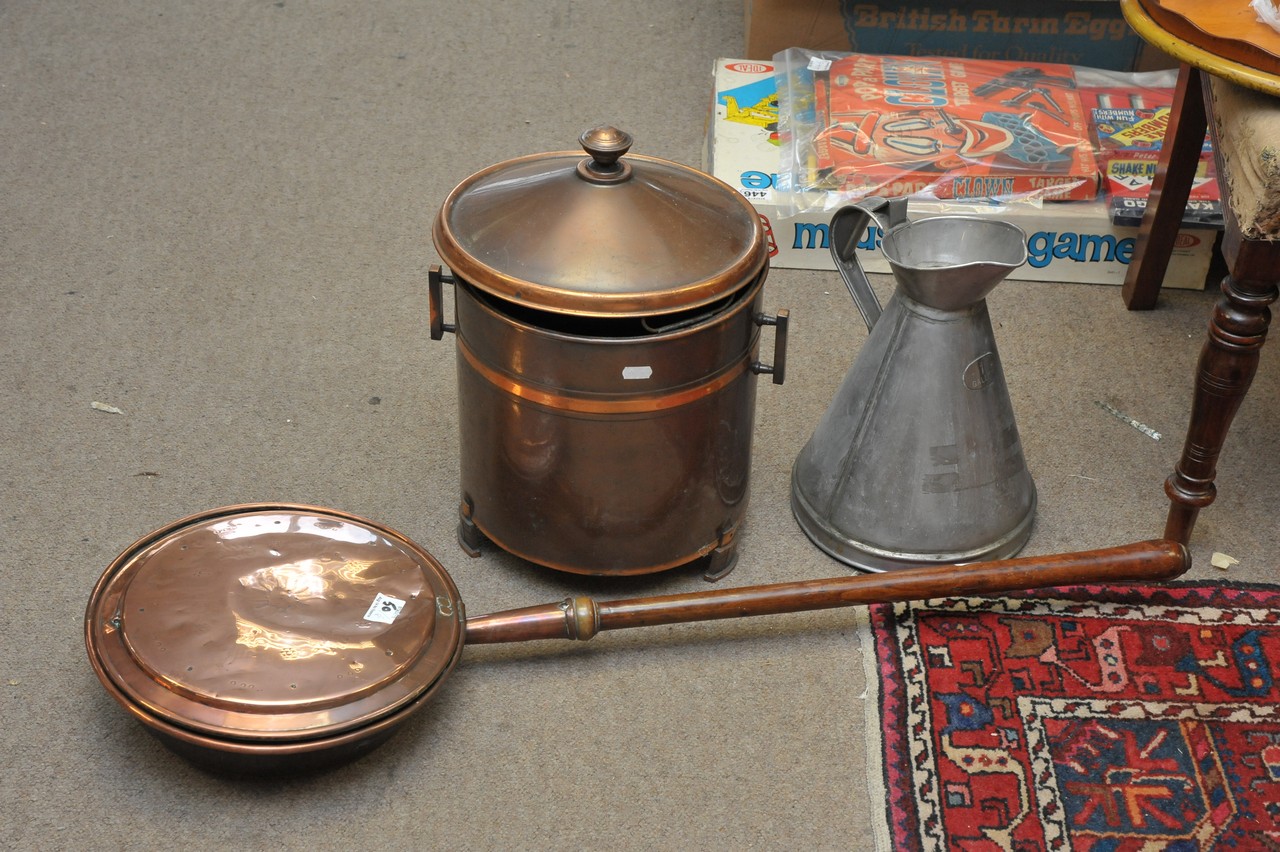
<point>1170,189</point>
<point>1245,124</point>
<point>1228,362</point>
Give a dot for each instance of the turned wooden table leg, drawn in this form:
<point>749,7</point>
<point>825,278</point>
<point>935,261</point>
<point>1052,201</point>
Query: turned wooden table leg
<point>1170,189</point>
<point>1228,362</point>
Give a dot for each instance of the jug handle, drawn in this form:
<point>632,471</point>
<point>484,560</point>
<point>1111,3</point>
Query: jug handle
<point>843,234</point>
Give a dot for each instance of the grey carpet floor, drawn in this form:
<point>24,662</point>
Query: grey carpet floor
<point>215,218</point>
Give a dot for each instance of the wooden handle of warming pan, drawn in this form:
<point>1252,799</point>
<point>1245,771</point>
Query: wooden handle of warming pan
<point>582,617</point>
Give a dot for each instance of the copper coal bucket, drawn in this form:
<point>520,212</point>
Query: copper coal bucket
<point>607,319</point>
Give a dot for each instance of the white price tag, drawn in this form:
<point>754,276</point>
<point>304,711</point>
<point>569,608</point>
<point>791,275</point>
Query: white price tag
<point>817,63</point>
<point>384,609</point>
<point>637,372</point>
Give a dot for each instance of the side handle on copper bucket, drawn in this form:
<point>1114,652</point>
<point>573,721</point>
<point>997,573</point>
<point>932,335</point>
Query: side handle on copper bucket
<point>436,278</point>
<point>843,235</point>
<point>780,323</point>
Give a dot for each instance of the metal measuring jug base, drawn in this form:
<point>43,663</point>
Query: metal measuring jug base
<point>868,557</point>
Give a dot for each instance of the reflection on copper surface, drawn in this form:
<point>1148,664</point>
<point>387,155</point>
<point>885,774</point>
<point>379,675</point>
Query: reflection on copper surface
<point>290,646</point>
<point>252,525</point>
<point>309,579</point>
<point>304,580</point>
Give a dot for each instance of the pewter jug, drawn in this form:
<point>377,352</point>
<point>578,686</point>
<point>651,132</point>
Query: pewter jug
<point>917,460</point>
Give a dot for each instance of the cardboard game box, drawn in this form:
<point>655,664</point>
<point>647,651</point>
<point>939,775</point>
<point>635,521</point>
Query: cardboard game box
<point>946,128</point>
<point>1068,242</point>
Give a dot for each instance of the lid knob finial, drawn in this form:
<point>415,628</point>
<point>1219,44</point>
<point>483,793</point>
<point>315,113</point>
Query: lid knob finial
<point>605,144</point>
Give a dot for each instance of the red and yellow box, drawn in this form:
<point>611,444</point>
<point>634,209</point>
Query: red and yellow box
<point>1130,123</point>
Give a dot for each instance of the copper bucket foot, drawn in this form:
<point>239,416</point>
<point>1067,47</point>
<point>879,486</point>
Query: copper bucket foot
<point>469,536</point>
<point>724,558</point>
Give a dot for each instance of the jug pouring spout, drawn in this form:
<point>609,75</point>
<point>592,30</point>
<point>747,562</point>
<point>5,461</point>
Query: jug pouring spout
<point>952,262</point>
<point>845,231</point>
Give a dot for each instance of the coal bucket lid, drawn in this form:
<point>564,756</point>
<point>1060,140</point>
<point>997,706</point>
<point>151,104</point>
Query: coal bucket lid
<point>604,235</point>
<point>272,624</point>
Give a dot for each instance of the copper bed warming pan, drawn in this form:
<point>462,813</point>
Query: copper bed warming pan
<point>608,314</point>
<point>269,637</point>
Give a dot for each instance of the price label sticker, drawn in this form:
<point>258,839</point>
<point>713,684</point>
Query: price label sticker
<point>384,609</point>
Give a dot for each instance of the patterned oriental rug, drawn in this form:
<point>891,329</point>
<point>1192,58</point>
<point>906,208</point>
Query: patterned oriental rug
<point>1084,718</point>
